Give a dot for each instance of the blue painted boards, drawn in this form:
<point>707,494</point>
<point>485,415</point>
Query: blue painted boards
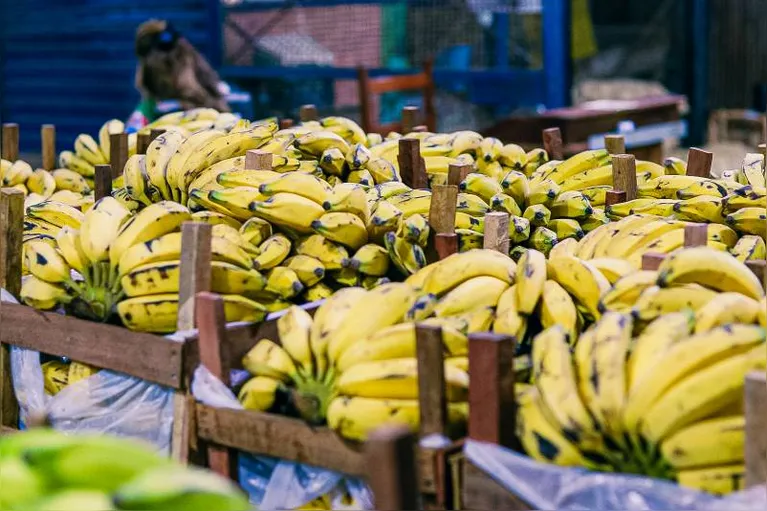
<point>71,62</point>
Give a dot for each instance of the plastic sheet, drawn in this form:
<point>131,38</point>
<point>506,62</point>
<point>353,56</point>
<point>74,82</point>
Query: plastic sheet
<point>273,483</point>
<point>551,487</point>
<point>106,402</point>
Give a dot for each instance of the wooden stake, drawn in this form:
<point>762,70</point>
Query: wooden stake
<point>142,142</point>
<point>118,153</point>
<point>445,244</point>
<point>756,428</point>
<point>10,142</point>
<point>431,380</point>
<point>102,180</point>
<point>552,143</point>
<point>286,123</point>
<point>442,208</point>
<point>497,232</point>
<point>194,276</point>
<point>652,260</point>
<point>48,142</point>
<point>412,168</point>
<point>625,175</point>
<point>759,268</point>
<point>390,457</point>
<point>211,322</point>
<point>11,233</point>
<point>699,162</point>
<point>308,113</point>
<point>154,133</point>
<point>614,197</point>
<point>409,118</point>
<point>695,235</point>
<point>615,144</point>
<point>457,172</point>
<point>258,160</point>
<point>491,392</point>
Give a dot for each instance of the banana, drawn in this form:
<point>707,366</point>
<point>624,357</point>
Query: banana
<point>324,250</point>
<point>481,185</point>
<point>240,177</point>
<point>490,150</point>
<point>358,156</point>
<point>508,320</point>
<point>538,215</point>
<point>707,443</point>
<point>137,180</point>
<point>469,240</point>
<point>385,219</point>
<point>396,379</point>
<point>370,260</point>
<point>41,182</point>
<point>475,292</point>
<point>711,268</point>
<point>150,223</point>
<point>717,480</point>
<point>288,210</point>
<point>567,246</point>
<point>158,157</point>
<point>701,393</point>
<point>597,195</point>
<point>708,188</point>
<point>406,256</point>
<point>458,268</point>
<point>294,328</point>
<point>310,271</point>
<point>570,205</point>
<point>701,209</point>
<point>655,301</point>
<point>261,393</point>
<point>319,291</point>
<point>73,162</point>
<point>624,209</point>
<point>273,252</point>
<point>237,201</point>
<point>722,234</point>
<point>516,186</point>
<point>749,248</point>
<point>328,318</point>
<point>555,380</point>
<point>69,180</point>
<point>726,308</point>
<point>348,198</point>
<point>505,203</point>
<point>213,218</point>
<point>384,191</point>
<point>305,185</point>
<point>317,142</point>
<point>398,342</point>
<point>79,371</point>
<point>530,279</point>
<point>111,127</point>
<point>745,197</point>
<point>255,231</point>
<point>56,213</point>
<point>519,229</point>
<point>182,158</point>
<point>88,149</point>
<point>581,280</point>
<point>674,166</point>
<point>566,228</point>
<point>99,228</point>
<point>464,142</point>
<point>753,169</point>
<point>578,164</point>
<point>471,204</point>
<point>613,268</point>
<point>158,313</point>
<point>283,282</point>
<point>41,294</point>
<point>748,221</point>
<point>355,418</point>
<point>381,307</point>
<point>344,228</point>
<point>68,243</point>
<point>666,187</point>
<point>414,229</point>
<point>376,171</point>
<point>18,173</point>
<point>479,319</point>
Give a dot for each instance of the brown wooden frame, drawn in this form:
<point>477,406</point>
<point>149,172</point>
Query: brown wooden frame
<point>372,86</point>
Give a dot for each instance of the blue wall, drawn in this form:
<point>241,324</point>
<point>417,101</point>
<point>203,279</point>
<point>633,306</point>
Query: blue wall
<point>71,62</point>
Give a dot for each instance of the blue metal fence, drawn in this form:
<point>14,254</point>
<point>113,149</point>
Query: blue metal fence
<point>71,62</point>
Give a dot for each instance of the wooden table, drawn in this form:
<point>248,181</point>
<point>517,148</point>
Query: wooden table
<point>596,117</point>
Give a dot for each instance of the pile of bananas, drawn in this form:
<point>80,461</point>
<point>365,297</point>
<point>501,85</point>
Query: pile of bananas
<point>738,199</point>
<point>655,385</point>
<point>58,374</point>
<point>39,185</point>
<point>42,469</point>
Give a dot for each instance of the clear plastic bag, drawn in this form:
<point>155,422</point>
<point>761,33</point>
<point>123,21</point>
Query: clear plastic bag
<point>551,487</point>
<point>106,402</point>
<point>273,483</point>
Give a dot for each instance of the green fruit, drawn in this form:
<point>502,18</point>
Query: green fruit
<point>74,500</point>
<point>19,484</point>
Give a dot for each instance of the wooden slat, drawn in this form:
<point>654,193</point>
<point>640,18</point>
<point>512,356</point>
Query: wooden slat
<point>552,143</point>
<point>457,172</point>
<point>481,491</point>
<point>497,232</point>
<point>699,162</point>
<point>258,160</point>
<point>652,260</point>
<point>625,175</point>
<point>442,208</point>
<point>9,406</point>
<point>756,428</point>
<point>195,273</point>
<point>412,167</point>
<point>614,197</point>
<point>118,153</point>
<point>390,457</point>
<point>431,380</point>
<point>11,232</point>
<point>48,146</point>
<point>10,139</point>
<point>146,356</point>
<point>308,113</point>
<point>102,181</point>
<point>142,142</point>
<point>446,244</point>
<point>695,235</point>
<point>615,144</point>
<point>398,83</point>
<point>409,118</point>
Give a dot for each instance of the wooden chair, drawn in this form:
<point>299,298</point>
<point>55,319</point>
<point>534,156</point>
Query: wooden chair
<point>370,87</point>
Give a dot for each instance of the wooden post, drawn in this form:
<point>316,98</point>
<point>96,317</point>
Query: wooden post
<point>442,208</point>
<point>445,244</point>
<point>48,146</point>
<point>409,118</point>
<point>756,428</point>
<point>412,168</point>
<point>614,197</point>
<point>258,160</point>
<point>552,143</point>
<point>652,260</point>
<point>118,153</point>
<point>491,391</point>
<point>194,275</point>
<point>286,123</point>
<point>102,180</point>
<point>308,113</point>
<point>695,235</point>
<point>615,144</point>
<point>211,322</point>
<point>625,175</point>
<point>390,457</point>
<point>457,172</point>
<point>431,380</point>
<point>11,233</point>
<point>10,142</point>
<point>759,268</point>
<point>142,142</point>
<point>497,232</point>
<point>699,162</point>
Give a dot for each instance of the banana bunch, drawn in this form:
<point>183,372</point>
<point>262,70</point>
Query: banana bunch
<point>655,385</point>
<point>40,185</point>
<point>44,469</point>
<point>58,374</point>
